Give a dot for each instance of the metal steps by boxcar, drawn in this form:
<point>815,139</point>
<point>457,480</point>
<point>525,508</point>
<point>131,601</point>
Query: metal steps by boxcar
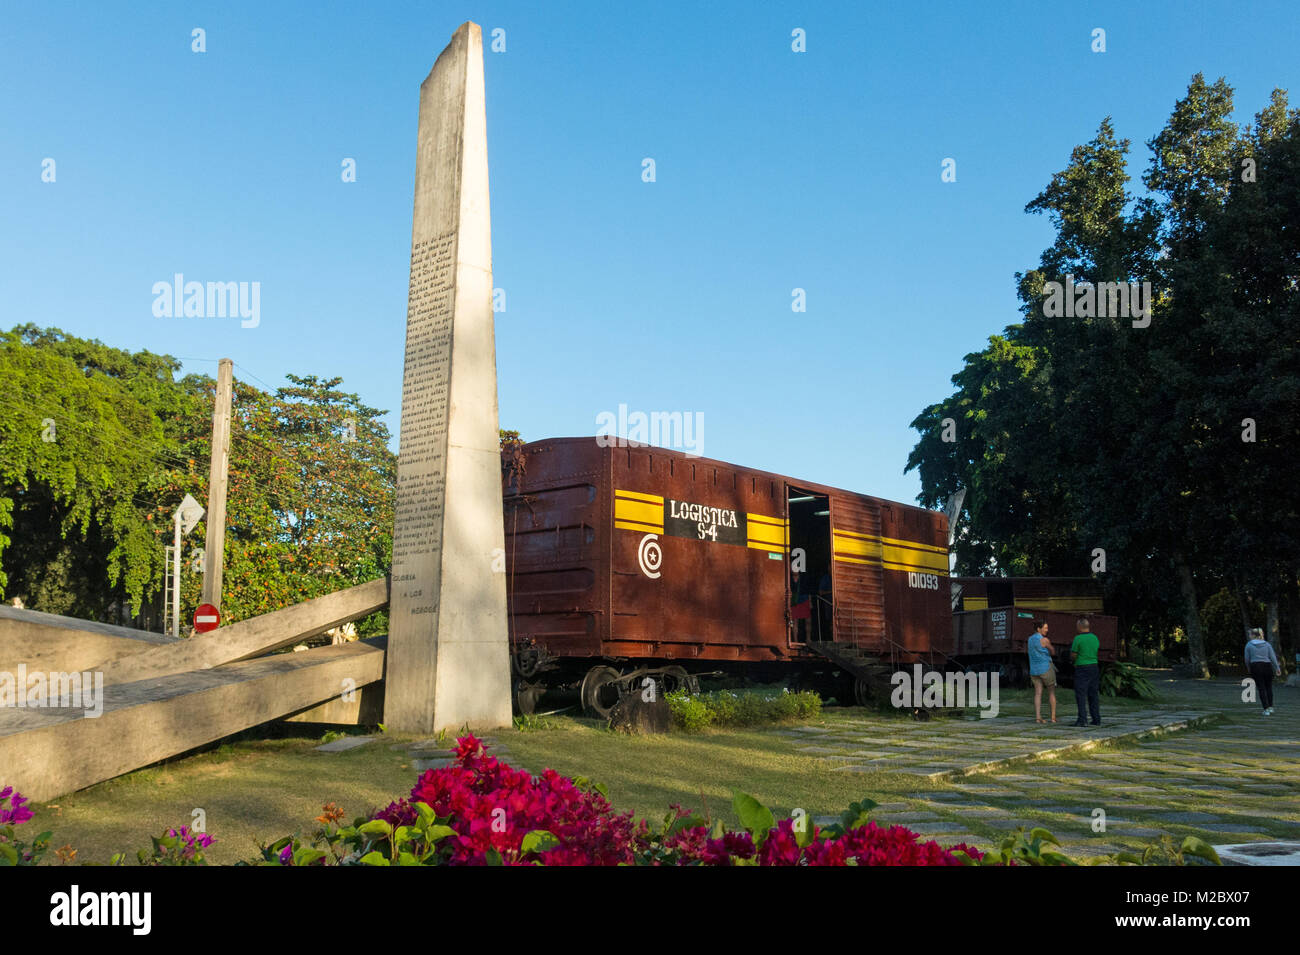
<point>871,675</point>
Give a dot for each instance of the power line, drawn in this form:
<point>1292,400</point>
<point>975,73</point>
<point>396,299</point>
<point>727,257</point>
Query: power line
<point>270,389</point>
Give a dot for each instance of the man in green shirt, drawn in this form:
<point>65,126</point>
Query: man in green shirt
<point>1087,675</point>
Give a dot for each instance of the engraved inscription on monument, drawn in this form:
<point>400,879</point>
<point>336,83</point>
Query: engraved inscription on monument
<point>421,478</point>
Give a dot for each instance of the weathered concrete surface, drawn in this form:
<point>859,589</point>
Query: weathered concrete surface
<point>448,655</point>
<point>251,637</point>
<point>45,753</point>
<point>344,744</point>
<point>46,641</point>
<point>365,709</point>
<point>1260,853</point>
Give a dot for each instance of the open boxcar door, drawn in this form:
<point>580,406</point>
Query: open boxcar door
<point>809,578</point>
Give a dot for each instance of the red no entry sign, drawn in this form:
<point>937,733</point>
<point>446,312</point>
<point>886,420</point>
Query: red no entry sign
<point>206,618</point>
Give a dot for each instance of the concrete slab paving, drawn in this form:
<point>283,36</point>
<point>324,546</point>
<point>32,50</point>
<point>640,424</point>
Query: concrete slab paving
<point>1262,853</point>
<point>1207,777</point>
<point>344,744</point>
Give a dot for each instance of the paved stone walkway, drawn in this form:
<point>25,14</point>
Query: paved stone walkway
<point>1233,778</point>
<point>942,748</point>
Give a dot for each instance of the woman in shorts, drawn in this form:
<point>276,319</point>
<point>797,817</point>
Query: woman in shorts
<point>1041,671</point>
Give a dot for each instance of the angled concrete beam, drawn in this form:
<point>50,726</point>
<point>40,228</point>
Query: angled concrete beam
<point>45,753</point>
<point>47,641</point>
<point>252,637</point>
<point>366,708</point>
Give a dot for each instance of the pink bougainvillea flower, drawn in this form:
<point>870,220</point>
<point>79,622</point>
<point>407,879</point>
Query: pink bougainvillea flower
<point>492,807</point>
<point>17,813</point>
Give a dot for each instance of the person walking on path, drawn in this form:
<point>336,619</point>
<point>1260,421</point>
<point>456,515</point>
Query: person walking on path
<point>1087,674</point>
<point>1041,671</point>
<point>1262,663</point>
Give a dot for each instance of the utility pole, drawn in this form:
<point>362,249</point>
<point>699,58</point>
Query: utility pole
<point>215,545</point>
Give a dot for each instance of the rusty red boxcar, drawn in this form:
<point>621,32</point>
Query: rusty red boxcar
<point>630,561</point>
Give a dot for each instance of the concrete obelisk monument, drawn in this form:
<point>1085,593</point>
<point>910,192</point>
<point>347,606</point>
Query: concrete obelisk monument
<point>448,660</point>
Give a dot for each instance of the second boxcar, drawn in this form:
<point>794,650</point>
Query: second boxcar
<point>993,618</point>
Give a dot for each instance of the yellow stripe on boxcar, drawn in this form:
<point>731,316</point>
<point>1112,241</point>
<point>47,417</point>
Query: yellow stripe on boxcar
<point>645,515</point>
<point>638,495</point>
<point>855,560</point>
<point>890,553</point>
<point>1062,604</point>
<point>916,559</point>
<point>770,534</point>
<point>915,545</point>
<point>855,545</point>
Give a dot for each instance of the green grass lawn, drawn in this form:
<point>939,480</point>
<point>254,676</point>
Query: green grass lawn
<point>255,790</point>
<point>258,789</point>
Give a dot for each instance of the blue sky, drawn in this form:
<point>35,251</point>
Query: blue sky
<point>775,170</point>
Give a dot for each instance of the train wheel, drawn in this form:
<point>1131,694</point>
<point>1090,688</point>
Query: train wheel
<point>526,696</point>
<point>861,692</point>
<point>676,678</point>
<point>600,691</point>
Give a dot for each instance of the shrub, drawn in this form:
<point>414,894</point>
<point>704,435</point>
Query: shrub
<point>1164,851</point>
<point>174,847</point>
<point>482,812</point>
<point>479,811</point>
<point>1222,626</point>
<point>12,851</point>
<point>1124,679</point>
<point>1030,848</point>
<point>693,712</point>
<point>690,713</point>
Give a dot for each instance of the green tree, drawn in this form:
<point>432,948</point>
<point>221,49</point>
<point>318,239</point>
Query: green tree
<point>1085,432</point>
<point>85,506</point>
<point>309,500</point>
<point>81,433</point>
